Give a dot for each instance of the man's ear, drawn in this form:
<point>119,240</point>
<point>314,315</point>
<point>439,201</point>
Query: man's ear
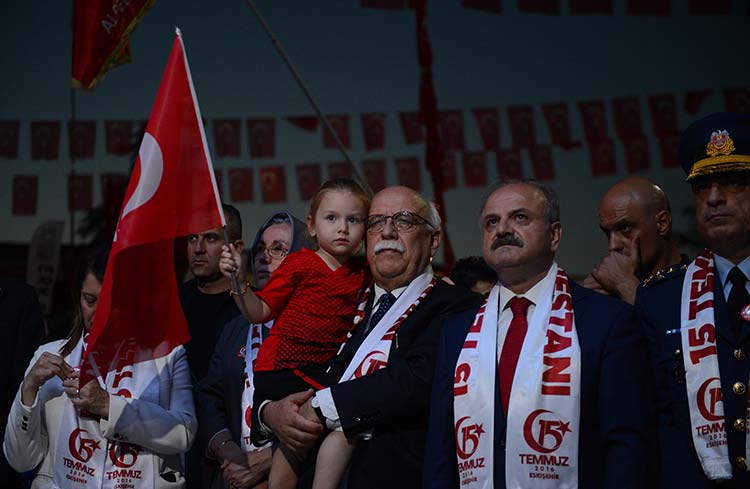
<point>555,235</point>
<point>434,242</point>
<point>663,222</point>
<point>239,245</point>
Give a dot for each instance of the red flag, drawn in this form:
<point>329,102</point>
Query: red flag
<point>25,191</point>
<point>374,171</point>
<point>522,128</point>
<point>339,169</point>
<point>550,7</point>
<point>578,7</point>
<point>663,114</point>
<point>118,137</point>
<point>710,7</point>
<point>172,192</point>
<point>449,171</point>
<point>306,122</point>
<point>9,131</point>
<point>383,4</point>
<point>81,138</point>
<point>649,7</point>
<point>80,190</point>
<point>737,99</point>
<point>475,169</point>
<point>373,131</point>
<point>308,179</point>
<point>593,115</point>
<point>101,32</point>
<point>272,184</point>
<point>262,137</point>
<point>412,127</point>
<point>627,112</point>
<point>694,100</point>
<point>241,184</point>
<point>509,164</point>
<point>452,130</point>
<point>558,122</point>
<point>488,121</point>
<point>45,140</point>
<point>637,157</point>
<point>340,124</point>
<point>542,162</point>
<point>602,158</point>
<point>408,172</point>
<point>669,144</point>
<point>227,138</point>
<point>484,5</point>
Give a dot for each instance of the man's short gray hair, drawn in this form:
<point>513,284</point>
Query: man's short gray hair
<point>433,216</point>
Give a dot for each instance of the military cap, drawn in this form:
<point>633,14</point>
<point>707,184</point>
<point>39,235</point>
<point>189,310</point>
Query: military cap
<point>717,143</point>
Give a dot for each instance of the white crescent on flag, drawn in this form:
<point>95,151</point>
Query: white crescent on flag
<point>152,166</point>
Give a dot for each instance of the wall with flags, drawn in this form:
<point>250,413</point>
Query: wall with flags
<point>577,93</point>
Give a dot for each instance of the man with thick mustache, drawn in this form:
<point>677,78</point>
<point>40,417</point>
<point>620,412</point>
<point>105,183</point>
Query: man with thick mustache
<point>698,319</point>
<point>386,367</point>
<point>545,384</point>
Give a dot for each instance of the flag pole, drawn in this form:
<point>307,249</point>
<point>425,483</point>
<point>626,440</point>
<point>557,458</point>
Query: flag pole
<point>298,78</point>
<point>72,165</point>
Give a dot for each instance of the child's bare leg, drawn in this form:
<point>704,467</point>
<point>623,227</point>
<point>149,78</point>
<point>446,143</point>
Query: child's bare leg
<point>333,459</point>
<point>285,468</point>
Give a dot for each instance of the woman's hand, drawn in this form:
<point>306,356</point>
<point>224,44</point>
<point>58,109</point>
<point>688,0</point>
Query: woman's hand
<point>231,262</point>
<point>91,397</point>
<point>47,366</point>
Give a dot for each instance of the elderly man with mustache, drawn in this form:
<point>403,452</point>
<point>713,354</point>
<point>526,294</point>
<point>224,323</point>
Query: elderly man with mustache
<point>545,384</point>
<point>385,369</point>
<point>698,320</point>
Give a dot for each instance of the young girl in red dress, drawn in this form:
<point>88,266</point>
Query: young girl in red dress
<point>312,297</point>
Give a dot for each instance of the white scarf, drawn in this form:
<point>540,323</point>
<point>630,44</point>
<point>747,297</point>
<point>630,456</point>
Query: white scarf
<point>702,376</point>
<point>544,408</point>
<point>85,458</point>
<point>373,353</point>
<point>250,353</point>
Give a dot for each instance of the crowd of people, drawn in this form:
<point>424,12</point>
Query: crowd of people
<point>336,367</point>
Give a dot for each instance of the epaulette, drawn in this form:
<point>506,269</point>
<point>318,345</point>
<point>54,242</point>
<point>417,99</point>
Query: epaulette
<point>665,273</point>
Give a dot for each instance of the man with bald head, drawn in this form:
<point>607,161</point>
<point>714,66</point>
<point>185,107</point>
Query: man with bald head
<point>635,216</point>
<point>384,372</point>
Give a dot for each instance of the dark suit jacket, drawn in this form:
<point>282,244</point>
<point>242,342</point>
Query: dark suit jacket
<point>658,307</point>
<point>394,401</point>
<point>615,438</point>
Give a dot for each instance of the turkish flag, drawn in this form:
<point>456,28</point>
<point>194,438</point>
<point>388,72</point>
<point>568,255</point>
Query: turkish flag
<point>383,4</point>
<point>590,7</point>
<point>272,184</point>
<point>340,124</point>
<point>118,137</point>
<point>593,115</point>
<point>80,192</point>
<point>649,7</point>
<point>475,168</point>
<point>262,137</point>
<point>25,191</point>
<point>374,171</point>
<point>9,131</point>
<point>663,114</point>
<point>484,5</point>
<point>602,158</point>
<point>488,122</point>
<point>373,130</point>
<point>522,128</point>
<point>308,179</point>
<point>227,138</point>
<point>114,186</point>
<point>45,140</point>
<point>737,99</point>
<point>172,192</point>
<point>542,162</point>
<point>637,156</point>
<point>408,172</point>
<point>509,165</point>
<point>627,112</point>
<point>694,100</point>
<point>307,123</point>
<point>550,7</point>
<point>710,7</point>
<point>558,122</point>
<point>241,184</point>
<point>669,144</point>
<point>411,125</point>
<point>81,139</point>
<point>452,130</point>
<point>449,170</point>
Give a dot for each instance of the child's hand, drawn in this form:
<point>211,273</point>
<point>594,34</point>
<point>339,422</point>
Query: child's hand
<point>231,262</point>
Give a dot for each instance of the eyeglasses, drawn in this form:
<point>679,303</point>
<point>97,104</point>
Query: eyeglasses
<point>275,251</point>
<point>402,221</point>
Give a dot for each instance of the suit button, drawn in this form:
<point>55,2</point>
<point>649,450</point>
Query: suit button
<point>358,419</point>
<point>739,424</point>
<point>739,388</point>
<point>739,354</point>
<point>24,418</point>
<point>740,463</point>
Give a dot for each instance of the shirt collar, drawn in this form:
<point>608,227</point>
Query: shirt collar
<point>379,292</point>
<point>723,266</point>
<point>534,294</point>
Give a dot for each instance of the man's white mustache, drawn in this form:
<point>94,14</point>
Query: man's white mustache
<point>388,244</point>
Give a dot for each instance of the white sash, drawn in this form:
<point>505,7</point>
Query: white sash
<point>544,407</point>
<point>252,345</point>
<point>702,376</point>
<point>84,457</point>
<point>373,353</point>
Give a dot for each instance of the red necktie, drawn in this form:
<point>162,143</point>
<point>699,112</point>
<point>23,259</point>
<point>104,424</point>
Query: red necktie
<point>512,347</point>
